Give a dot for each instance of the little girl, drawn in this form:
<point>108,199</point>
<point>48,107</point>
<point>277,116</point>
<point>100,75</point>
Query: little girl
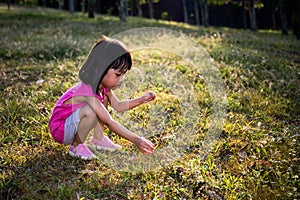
<point>84,106</point>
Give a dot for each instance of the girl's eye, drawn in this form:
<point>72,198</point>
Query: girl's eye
<point>118,74</point>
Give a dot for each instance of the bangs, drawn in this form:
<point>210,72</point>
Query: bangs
<point>123,63</point>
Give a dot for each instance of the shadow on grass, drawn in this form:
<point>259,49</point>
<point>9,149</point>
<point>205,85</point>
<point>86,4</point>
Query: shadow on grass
<point>46,176</point>
<point>54,175</point>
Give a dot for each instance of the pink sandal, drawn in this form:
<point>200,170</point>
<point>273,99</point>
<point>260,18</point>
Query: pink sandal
<point>81,151</point>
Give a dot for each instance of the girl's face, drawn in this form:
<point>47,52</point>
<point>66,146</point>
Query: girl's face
<point>113,78</point>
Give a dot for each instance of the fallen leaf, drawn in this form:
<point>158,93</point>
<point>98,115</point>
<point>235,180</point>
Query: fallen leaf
<point>257,163</point>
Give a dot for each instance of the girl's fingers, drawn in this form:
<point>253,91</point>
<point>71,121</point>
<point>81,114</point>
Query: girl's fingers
<point>150,145</point>
<point>148,149</point>
<point>147,152</point>
<point>145,146</point>
<point>150,95</point>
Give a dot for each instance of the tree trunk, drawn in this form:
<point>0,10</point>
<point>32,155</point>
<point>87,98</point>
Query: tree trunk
<point>82,6</point>
<point>59,4</point>
<point>206,13</point>
<point>273,15</point>
<point>98,6</point>
<point>91,8</point>
<point>185,13</point>
<point>126,7</point>
<point>132,8</point>
<point>202,12</point>
<point>197,17</point>
<point>151,11</point>
<point>121,8</point>
<point>44,2</point>
<point>252,16</point>
<point>296,20</point>
<point>283,18</point>
<point>71,6</point>
<point>8,4</point>
<point>140,11</point>
<point>244,14</point>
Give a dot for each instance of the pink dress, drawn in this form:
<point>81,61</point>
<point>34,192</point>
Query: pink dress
<point>61,112</point>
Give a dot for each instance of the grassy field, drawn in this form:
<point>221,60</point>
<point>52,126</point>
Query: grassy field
<point>256,156</point>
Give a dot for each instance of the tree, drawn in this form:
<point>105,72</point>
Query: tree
<point>97,6</point>
<point>204,12</point>
<point>249,7</point>
<point>296,18</point>
<point>196,9</point>
<point>138,5</point>
<point>151,11</point>
<point>8,4</point>
<point>60,2</point>
<point>185,13</point>
<point>132,7</point>
<point>252,14</point>
<point>121,8</point>
<point>150,7</point>
<point>44,2</point>
<point>71,6</point>
<point>282,4</point>
<point>244,15</point>
<point>91,8</point>
<point>126,8</point>
<point>204,4</point>
<point>273,18</point>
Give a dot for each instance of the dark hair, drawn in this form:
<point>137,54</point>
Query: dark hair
<point>106,54</point>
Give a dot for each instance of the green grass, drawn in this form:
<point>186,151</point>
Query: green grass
<point>256,156</point>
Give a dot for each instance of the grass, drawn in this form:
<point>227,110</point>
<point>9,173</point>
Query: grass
<point>256,156</point>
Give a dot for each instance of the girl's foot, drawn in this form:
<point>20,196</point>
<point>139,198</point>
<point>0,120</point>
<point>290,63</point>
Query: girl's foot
<point>81,151</point>
<point>105,144</point>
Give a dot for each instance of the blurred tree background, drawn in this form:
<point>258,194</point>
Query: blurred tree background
<point>246,14</point>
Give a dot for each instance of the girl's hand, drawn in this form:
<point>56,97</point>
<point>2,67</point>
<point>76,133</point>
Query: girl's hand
<point>148,96</point>
<point>144,145</point>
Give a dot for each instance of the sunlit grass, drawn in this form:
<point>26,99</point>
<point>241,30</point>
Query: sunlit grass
<point>256,156</point>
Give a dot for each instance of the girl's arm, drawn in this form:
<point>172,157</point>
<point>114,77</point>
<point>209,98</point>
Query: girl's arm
<point>144,145</point>
<point>121,106</point>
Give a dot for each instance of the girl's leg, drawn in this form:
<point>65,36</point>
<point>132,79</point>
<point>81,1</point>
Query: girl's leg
<point>100,141</point>
<point>88,120</point>
<point>99,128</point>
<point>98,131</point>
